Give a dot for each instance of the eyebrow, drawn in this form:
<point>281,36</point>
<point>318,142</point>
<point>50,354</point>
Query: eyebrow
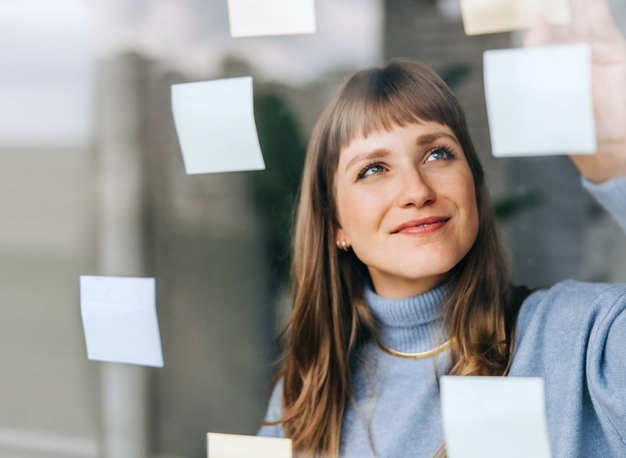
<point>422,140</point>
<point>371,156</point>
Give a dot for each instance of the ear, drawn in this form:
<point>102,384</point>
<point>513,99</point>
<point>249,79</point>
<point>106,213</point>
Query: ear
<point>341,235</point>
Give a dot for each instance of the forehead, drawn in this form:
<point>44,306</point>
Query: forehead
<point>423,132</point>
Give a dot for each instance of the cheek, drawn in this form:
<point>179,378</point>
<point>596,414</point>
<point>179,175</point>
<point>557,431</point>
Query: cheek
<point>359,213</point>
<point>472,219</point>
<point>474,225</point>
<point>342,203</point>
<point>461,191</point>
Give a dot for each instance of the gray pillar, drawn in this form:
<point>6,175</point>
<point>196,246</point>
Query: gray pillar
<point>119,173</point>
<point>124,429</point>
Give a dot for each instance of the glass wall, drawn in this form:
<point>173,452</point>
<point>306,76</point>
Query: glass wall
<point>92,182</point>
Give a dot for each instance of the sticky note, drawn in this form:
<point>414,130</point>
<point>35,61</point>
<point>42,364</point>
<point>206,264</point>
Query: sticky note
<point>491,16</point>
<point>249,18</point>
<point>236,446</point>
<point>215,125</point>
<point>482,416</point>
<point>540,101</point>
<point>120,320</point>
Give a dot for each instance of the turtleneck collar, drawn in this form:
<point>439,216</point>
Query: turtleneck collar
<point>411,324</point>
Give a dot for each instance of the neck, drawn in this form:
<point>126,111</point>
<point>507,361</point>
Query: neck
<point>411,324</point>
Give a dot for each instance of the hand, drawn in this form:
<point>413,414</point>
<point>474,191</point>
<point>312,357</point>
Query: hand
<point>593,23</point>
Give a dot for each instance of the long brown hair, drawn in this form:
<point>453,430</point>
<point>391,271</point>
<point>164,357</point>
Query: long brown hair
<point>330,318</point>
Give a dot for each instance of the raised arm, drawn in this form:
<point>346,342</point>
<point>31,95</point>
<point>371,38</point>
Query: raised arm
<point>593,23</point>
<point>606,367</point>
<point>612,196</point>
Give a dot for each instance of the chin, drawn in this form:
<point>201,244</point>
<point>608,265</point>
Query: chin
<point>416,263</point>
<point>425,273</point>
<point>430,264</point>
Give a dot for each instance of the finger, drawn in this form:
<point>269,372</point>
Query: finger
<point>601,21</point>
<point>579,27</point>
<point>538,33</point>
<point>541,33</point>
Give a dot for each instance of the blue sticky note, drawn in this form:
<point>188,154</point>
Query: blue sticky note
<point>215,125</point>
<point>539,100</point>
<point>120,320</point>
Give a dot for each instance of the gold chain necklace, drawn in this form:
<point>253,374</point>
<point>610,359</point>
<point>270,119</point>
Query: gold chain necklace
<point>421,355</point>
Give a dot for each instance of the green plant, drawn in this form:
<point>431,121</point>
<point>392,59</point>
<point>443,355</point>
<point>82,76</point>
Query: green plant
<point>276,187</point>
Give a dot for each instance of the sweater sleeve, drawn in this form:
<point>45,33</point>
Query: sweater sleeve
<point>612,196</point>
<point>273,413</point>
<point>606,366</point>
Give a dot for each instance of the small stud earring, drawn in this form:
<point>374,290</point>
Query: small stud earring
<point>344,245</point>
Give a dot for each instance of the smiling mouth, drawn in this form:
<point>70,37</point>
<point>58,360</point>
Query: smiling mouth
<point>421,227</point>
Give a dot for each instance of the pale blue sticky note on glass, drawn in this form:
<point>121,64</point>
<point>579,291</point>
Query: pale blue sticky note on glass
<point>539,100</point>
<point>484,416</point>
<point>120,320</point>
<point>249,18</point>
<point>215,125</point>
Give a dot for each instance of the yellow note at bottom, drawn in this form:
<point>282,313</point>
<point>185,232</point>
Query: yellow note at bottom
<point>238,446</point>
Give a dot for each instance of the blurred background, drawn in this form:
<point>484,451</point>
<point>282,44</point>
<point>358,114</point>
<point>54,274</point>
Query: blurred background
<point>92,182</point>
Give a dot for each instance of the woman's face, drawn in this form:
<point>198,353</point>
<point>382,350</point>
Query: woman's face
<point>406,205</point>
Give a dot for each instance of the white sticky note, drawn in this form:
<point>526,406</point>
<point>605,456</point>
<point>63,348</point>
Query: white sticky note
<point>491,16</point>
<point>236,446</point>
<point>215,125</point>
<point>482,416</point>
<point>251,18</point>
<point>120,320</point>
<point>540,101</point>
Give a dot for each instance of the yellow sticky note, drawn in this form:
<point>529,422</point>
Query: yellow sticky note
<point>237,446</point>
<point>492,16</point>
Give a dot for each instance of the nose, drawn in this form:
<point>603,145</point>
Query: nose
<point>414,190</point>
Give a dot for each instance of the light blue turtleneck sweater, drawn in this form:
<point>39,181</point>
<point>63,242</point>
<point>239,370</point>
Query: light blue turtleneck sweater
<point>573,335</point>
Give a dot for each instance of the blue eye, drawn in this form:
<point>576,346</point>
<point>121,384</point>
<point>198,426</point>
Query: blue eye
<point>372,169</point>
<point>441,153</point>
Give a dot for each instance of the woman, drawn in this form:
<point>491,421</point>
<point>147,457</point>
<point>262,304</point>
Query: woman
<point>400,276</point>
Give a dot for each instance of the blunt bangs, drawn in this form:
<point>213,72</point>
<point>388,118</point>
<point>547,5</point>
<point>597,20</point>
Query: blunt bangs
<point>402,93</point>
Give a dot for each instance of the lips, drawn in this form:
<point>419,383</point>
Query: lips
<point>419,226</point>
